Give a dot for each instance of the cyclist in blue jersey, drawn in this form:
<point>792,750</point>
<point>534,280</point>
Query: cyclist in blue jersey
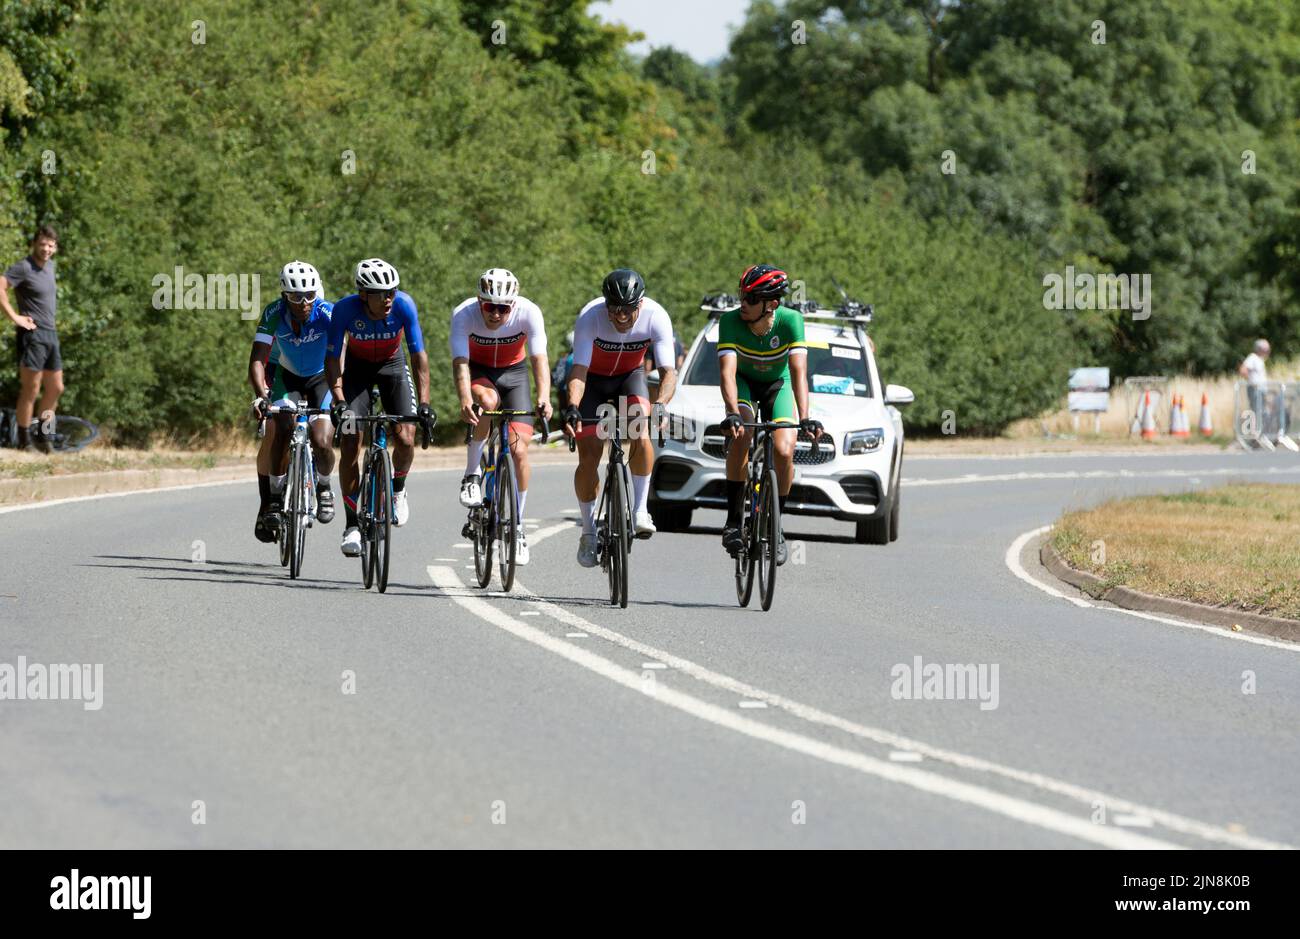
<point>373,322</point>
<point>297,327</point>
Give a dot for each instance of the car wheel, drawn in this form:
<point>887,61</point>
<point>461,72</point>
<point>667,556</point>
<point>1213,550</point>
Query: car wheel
<point>873,530</point>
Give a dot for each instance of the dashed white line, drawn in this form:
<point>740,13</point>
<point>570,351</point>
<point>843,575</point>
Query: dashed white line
<point>1169,820</point>
<point>753,704</point>
<point>1134,821</point>
<point>904,756</point>
<point>923,780</point>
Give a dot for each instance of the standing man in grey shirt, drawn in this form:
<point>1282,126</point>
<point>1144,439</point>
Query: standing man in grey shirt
<point>40,366</point>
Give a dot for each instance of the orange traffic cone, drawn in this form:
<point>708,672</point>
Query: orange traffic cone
<point>1148,418</point>
<point>1207,425</point>
<point>1182,426</point>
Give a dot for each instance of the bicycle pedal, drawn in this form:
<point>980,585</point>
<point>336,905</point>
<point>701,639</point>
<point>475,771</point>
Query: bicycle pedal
<point>643,535</point>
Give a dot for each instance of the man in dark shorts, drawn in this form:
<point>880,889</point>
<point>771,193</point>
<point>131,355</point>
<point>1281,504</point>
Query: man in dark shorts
<point>373,323</point>
<point>40,365</point>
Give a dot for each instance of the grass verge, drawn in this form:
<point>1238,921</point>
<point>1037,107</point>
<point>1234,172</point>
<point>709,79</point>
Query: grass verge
<point>1234,546</point>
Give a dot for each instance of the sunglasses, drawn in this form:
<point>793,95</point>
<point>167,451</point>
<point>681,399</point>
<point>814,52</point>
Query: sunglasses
<point>622,312</point>
<point>391,292</point>
<point>299,297</point>
<point>500,309</point>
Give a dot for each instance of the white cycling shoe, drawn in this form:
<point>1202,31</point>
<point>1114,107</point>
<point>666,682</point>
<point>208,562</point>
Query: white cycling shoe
<point>351,543</point>
<point>471,491</point>
<point>401,509</point>
<point>521,550</point>
<point>587,550</point>
<point>644,525</point>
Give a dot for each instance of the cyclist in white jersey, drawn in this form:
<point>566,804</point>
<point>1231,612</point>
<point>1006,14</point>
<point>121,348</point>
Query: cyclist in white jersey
<point>495,336</point>
<point>609,346</point>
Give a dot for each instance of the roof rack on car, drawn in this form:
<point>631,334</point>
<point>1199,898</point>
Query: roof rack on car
<point>715,304</point>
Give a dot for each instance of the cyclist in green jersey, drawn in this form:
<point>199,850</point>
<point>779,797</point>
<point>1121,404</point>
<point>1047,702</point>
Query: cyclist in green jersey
<point>764,366</point>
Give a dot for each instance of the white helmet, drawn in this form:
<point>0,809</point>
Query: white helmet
<point>376,274</point>
<point>300,277</point>
<point>498,286</point>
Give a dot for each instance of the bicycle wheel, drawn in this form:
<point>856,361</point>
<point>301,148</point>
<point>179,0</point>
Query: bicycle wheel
<point>72,433</point>
<point>484,522</point>
<point>302,509</point>
<point>766,529</point>
<point>366,521</point>
<point>507,519</point>
<point>745,555</point>
<point>383,530</point>
<point>616,536</point>
<point>629,520</point>
<point>292,511</point>
<point>285,545</point>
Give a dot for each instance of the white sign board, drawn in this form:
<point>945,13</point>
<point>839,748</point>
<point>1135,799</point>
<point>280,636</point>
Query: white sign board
<point>1090,389</point>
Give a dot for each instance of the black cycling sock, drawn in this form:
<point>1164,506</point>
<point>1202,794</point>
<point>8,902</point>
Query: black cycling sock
<point>781,502</point>
<point>399,482</point>
<point>24,438</point>
<point>734,492</point>
<point>264,489</point>
<point>350,509</point>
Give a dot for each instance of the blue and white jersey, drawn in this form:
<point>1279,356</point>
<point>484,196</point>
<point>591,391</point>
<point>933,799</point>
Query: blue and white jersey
<point>302,352</point>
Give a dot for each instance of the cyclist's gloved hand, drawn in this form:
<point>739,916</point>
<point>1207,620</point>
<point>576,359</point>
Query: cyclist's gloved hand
<point>425,413</point>
<point>811,427</point>
<point>337,410</point>
<point>572,417</point>
<point>733,424</point>
<point>261,406</point>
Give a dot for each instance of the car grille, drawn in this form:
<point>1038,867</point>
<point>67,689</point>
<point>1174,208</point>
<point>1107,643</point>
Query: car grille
<point>861,490</point>
<point>807,455</point>
<point>804,454</point>
<point>714,442</point>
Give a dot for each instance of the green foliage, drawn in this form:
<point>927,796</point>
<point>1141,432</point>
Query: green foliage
<point>236,154</point>
<point>1125,156</point>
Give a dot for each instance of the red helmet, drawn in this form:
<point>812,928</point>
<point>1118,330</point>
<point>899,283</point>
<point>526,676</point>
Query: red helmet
<point>764,282</point>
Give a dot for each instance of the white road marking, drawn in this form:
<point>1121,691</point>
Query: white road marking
<point>1012,560</point>
<point>1009,806</point>
<point>904,756</point>
<point>530,613</point>
<point>452,560</point>
<point>1099,474</point>
<point>653,665</point>
<point>753,704</point>
<point>462,545</point>
<point>576,636</point>
<point>887,738</point>
<point>1133,821</point>
<point>50,503</point>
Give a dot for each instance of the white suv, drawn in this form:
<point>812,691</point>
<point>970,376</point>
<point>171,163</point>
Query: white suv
<point>852,473</point>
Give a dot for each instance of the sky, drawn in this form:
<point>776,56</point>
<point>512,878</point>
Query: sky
<point>697,27</point>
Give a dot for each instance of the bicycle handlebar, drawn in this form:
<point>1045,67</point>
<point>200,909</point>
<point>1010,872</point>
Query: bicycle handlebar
<point>573,441</point>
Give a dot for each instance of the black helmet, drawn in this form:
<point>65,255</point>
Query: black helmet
<point>623,287</point>
<point>764,282</point>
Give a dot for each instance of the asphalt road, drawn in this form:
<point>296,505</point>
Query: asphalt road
<point>546,718</point>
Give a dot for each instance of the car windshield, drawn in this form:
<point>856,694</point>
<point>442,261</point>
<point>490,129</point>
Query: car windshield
<point>835,365</point>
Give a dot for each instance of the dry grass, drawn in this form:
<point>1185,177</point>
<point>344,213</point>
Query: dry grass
<point>1116,423</point>
<point>1235,546</point>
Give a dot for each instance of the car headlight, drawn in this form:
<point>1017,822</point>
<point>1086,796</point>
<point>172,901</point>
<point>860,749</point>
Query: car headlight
<point>863,441</point>
<point>681,429</point>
